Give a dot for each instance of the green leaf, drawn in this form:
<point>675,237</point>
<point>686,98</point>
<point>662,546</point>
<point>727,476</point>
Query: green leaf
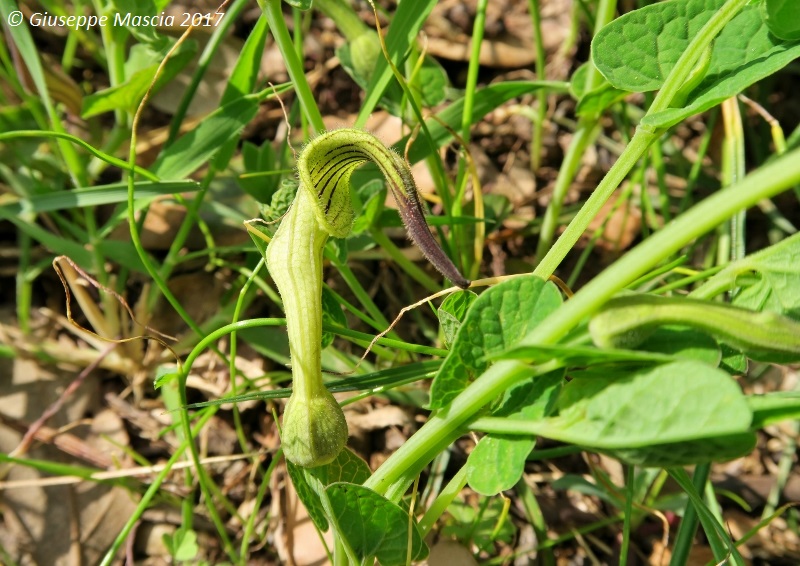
<point>431,82</point>
<point>774,407</point>
<point>452,312</point>
<point>725,550</point>
<point>598,99</point>
<point>577,82</point>
<point>242,81</point>
<point>197,146</point>
<point>592,103</point>
<point>347,467</point>
<point>165,373</point>
<point>733,361</point>
<point>637,51</point>
<point>260,235</point>
<point>371,525</point>
<point>281,200</point>
<point>688,453</point>
<point>137,8</point>
<point>682,343</point>
<point>259,160</point>
<point>497,462</point>
<point>360,57</point>
<point>95,196</point>
<point>182,545</point>
<point>744,53</point>
<point>666,344</point>
<point>480,526</point>
<point>498,319</point>
<point>307,493</point>
<point>406,24</point>
<point>331,314</point>
<point>675,402</point>
<point>122,252</point>
<point>244,76</point>
<point>371,197</point>
<point>128,95</point>
<point>777,278</point>
<point>783,18</point>
<point>496,209</point>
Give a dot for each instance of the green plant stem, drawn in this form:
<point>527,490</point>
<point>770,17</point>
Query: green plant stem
<point>474,67</point>
<point>110,159</point>
<point>723,548</point>
<point>394,344</point>
<point>657,157</point>
<point>24,283</point>
<point>785,465</point>
<point>240,303</point>
<point>470,259</point>
<point>272,9</point>
<point>733,169</point>
<point>766,182</point>
<point>397,473</point>
<point>151,492</point>
<point>189,221</point>
<point>131,212</point>
<point>202,477</point>
<point>537,131</point>
<point>632,153</point>
<point>630,479</point>
<point>584,135</point>
<point>536,519</point>
<point>357,289</point>
<point>445,498</point>
<point>253,517</point>
<point>115,60</point>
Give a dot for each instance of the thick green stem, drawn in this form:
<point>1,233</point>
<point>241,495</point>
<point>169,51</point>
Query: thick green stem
<point>397,473</point>
<point>633,152</point>
<point>394,476</point>
<point>766,182</point>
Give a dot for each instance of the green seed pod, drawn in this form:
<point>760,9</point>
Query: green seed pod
<point>364,53</point>
<point>314,429</point>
